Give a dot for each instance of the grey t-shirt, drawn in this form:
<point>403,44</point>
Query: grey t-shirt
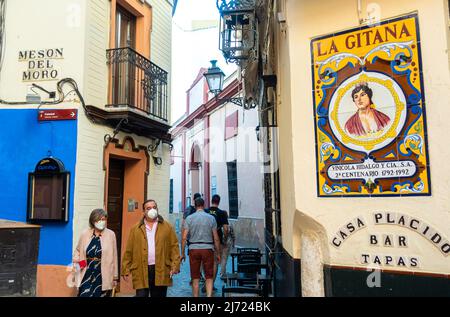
<point>200,226</point>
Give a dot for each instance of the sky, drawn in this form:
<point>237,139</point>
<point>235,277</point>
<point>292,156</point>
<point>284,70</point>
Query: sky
<point>195,41</point>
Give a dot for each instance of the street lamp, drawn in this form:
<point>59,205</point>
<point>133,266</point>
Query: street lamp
<point>237,30</point>
<point>214,78</point>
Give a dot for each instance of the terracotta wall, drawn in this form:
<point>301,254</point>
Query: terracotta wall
<point>143,14</point>
<point>52,281</point>
<point>136,170</point>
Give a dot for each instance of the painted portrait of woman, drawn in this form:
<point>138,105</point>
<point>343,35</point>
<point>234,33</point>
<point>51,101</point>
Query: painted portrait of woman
<point>367,119</point>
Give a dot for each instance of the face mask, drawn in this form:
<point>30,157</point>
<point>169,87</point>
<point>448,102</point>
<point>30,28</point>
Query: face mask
<point>100,225</point>
<point>152,213</point>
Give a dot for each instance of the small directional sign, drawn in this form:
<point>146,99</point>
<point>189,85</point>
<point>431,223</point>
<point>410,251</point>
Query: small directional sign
<point>60,114</point>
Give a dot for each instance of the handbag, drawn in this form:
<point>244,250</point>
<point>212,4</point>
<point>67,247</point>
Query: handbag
<point>115,290</point>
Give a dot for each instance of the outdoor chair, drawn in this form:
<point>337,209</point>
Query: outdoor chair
<point>252,268</point>
<point>246,256</point>
<point>239,291</point>
<point>248,250</point>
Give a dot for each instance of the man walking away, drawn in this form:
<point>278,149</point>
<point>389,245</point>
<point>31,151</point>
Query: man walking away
<point>187,212</point>
<point>221,217</point>
<point>204,240</point>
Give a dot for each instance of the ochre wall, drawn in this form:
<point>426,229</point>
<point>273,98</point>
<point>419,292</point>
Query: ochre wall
<point>52,281</point>
<point>143,14</point>
<point>300,205</point>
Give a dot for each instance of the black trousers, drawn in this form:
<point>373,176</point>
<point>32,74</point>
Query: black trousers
<point>153,291</point>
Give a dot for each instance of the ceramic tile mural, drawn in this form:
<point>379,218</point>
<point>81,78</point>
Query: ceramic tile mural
<point>369,110</point>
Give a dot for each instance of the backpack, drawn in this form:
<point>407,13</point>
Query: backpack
<point>219,227</point>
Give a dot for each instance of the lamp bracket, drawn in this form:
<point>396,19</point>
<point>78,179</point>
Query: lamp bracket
<point>51,94</point>
<point>237,101</point>
<point>108,138</point>
<point>153,147</point>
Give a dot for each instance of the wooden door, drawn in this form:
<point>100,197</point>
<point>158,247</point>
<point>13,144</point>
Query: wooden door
<point>125,71</point>
<point>125,29</point>
<point>115,199</point>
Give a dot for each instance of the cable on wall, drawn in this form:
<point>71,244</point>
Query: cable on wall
<point>2,31</point>
<point>61,97</point>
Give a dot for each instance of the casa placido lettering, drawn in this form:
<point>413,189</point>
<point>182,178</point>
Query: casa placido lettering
<point>41,64</point>
<point>425,230</point>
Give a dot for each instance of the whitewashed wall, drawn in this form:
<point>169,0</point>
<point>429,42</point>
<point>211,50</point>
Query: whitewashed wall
<point>218,159</point>
<point>61,25</point>
<point>161,40</point>
<point>196,96</point>
<point>243,148</point>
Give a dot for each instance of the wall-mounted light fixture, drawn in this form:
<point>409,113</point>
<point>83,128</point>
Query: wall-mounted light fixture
<point>238,31</point>
<point>215,78</point>
<point>108,138</point>
<point>156,150</point>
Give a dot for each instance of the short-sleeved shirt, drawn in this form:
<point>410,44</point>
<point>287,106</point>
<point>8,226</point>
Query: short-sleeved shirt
<point>221,218</point>
<point>187,212</point>
<point>200,226</point>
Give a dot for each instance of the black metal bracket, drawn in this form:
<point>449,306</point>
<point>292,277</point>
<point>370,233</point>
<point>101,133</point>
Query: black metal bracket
<point>157,160</point>
<point>235,100</point>
<point>152,148</point>
<point>51,94</point>
<point>108,138</point>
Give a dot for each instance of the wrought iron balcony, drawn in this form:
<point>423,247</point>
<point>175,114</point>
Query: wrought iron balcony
<point>137,83</point>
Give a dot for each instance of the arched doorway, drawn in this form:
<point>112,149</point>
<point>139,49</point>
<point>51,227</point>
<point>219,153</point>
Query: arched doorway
<point>126,166</point>
<point>195,172</point>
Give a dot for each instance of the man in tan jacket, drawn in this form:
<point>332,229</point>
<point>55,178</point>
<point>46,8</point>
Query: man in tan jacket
<point>152,255</point>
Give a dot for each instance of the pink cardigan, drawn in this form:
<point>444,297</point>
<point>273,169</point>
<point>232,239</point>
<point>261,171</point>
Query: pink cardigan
<point>109,264</point>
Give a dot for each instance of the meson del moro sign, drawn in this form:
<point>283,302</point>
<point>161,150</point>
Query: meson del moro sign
<point>369,107</point>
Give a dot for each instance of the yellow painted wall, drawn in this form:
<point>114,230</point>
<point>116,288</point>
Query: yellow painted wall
<point>303,213</point>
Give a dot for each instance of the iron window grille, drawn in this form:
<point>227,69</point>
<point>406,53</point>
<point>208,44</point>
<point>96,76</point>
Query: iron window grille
<point>138,83</point>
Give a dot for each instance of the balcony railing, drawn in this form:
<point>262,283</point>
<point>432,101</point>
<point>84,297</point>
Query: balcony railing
<point>137,83</point>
